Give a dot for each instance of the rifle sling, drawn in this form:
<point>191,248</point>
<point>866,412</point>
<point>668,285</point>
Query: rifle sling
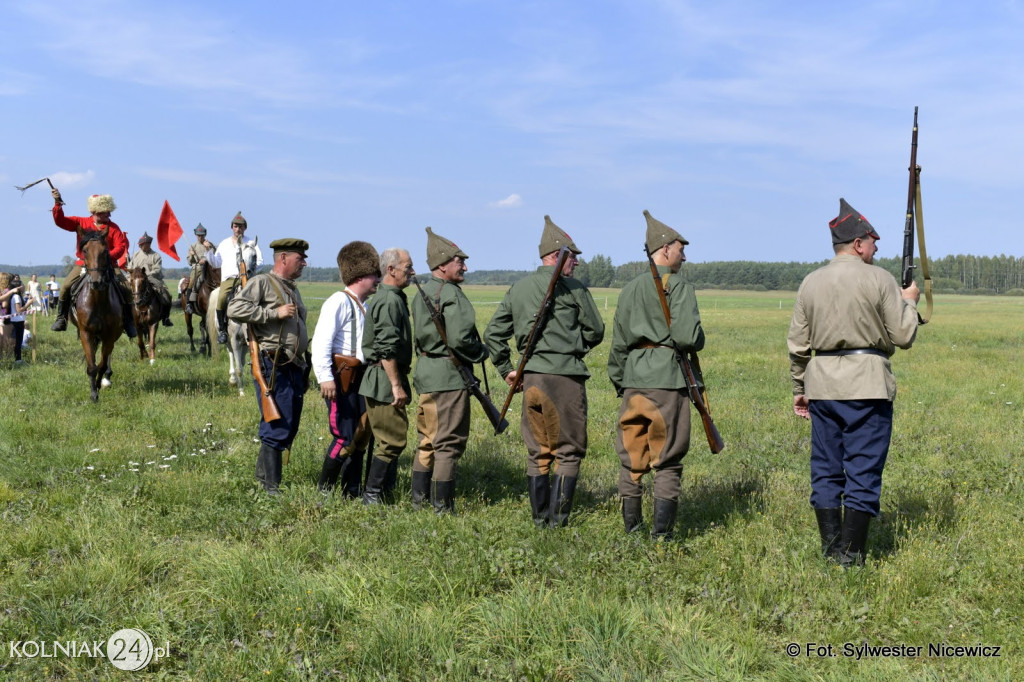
<point>919,219</point>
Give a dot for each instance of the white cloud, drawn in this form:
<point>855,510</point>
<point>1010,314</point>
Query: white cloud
<point>511,201</point>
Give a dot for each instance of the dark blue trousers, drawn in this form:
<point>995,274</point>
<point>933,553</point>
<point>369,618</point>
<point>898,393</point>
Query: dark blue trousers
<point>289,390</point>
<point>849,445</point>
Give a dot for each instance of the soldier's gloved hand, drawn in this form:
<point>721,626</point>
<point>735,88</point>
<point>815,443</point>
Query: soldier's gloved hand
<point>56,195</point>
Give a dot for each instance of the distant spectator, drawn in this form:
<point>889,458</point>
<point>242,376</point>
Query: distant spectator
<point>19,306</point>
<point>35,294</point>
<point>52,293</point>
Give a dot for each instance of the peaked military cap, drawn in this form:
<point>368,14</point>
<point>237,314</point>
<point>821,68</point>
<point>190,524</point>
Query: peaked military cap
<point>239,220</point>
<point>850,225</point>
<point>358,259</point>
<point>554,238</point>
<point>145,239</point>
<point>441,250</point>
<point>290,244</point>
<point>659,234</point>
<point>200,231</point>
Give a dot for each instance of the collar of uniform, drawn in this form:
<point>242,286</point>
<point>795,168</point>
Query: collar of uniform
<point>846,258</point>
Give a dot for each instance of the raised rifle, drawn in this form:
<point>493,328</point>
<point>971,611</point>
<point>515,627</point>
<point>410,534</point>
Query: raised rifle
<point>914,211</point>
<point>470,381</point>
<point>546,305</point>
<point>267,404</point>
<point>697,397</point>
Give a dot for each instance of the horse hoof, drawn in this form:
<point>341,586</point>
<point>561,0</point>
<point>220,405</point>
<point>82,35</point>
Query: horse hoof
<point>105,383</point>
<point>233,381</point>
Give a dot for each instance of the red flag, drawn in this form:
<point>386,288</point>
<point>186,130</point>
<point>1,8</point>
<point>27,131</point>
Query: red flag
<point>168,231</point>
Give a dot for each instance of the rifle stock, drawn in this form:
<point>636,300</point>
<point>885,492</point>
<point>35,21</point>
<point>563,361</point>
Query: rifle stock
<point>267,404</point>
<point>715,441</point>
<point>470,381</point>
<point>538,324</point>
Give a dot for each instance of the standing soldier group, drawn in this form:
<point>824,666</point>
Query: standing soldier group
<point>848,320</point>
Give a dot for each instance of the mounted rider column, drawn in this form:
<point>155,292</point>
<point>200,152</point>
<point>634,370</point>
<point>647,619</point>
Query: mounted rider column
<point>226,257</point>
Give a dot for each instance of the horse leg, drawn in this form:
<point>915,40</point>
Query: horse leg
<point>90,364</point>
<point>140,337</point>
<point>104,371</point>
<point>153,329</point>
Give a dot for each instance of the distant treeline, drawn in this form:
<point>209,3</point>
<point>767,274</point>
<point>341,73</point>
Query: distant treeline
<point>960,274</point>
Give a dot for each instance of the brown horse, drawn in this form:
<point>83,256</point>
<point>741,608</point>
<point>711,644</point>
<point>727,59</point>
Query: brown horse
<point>148,309</point>
<point>97,309</point>
<point>211,281</point>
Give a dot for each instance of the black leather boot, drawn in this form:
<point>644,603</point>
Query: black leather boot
<point>167,318</point>
<point>329,473</point>
<point>390,481</point>
<point>268,468</point>
<point>63,308</point>
<point>854,537</point>
<point>128,322</point>
<point>664,518</point>
<point>222,327</point>
<point>540,499</point>
<point>420,488</point>
<point>564,488</point>
<point>830,527</point>
<point>373,494</point>
<point>632,513</point>
<point>442,497</point>
<point>352,476</point>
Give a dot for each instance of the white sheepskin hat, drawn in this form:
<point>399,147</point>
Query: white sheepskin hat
<point>101,203</point>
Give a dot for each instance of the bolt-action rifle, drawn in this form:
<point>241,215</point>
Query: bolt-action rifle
<point>546,306</point>
<point>471,383</point>
<point>267,404</point>
<point>697,397</point>
<point>914,211</point>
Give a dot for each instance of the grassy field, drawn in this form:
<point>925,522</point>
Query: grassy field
<point>141,512</point>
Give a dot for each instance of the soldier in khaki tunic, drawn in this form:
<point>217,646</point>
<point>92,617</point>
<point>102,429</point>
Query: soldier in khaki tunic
<point>272,307</point>
<point>387,349</point>
<point>442,415</point>
<point>643,365</point>
<point>850,317</point>
<point>196,257</point>
<point>554,421</point>
<point>151,261</point>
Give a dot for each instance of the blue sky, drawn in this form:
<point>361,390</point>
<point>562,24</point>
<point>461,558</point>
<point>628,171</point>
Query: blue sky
<point>738,123</point>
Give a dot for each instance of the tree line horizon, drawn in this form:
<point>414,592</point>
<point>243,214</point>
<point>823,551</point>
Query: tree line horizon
<point>953,274</point>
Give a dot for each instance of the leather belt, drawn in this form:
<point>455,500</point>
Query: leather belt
<point>648,344</point>
<point>851,351</point>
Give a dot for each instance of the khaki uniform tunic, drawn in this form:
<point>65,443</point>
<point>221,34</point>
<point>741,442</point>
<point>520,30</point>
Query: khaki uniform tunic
<point>256,305</point>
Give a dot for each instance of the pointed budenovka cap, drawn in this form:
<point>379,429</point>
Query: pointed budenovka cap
<point>659,234</point>
<point>145,238</point>
<point>441,250</point>
<point>200,231</point>
<point>239,220</point>
<point>554,238</point>
<point>850,225</point>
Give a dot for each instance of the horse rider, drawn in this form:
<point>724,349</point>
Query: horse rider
<point>149,260</point>
<point>100,207</point>
<point>197,252</point>
<point>226,256</point>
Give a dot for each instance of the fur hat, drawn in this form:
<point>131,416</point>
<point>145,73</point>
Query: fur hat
<point>440,250</point>
<point>850,225</point>
<point>358,259</point>
<point>239,220</point>
<point>554,238</point>
<point>659,234</point>
<point>100,203</point>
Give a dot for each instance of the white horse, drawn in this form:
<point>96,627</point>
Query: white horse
<point>237,339</point>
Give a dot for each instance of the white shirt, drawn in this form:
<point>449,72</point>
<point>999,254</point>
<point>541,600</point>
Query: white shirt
<point>226,258</point>
<point>334,333</point>
<point>16,303</point>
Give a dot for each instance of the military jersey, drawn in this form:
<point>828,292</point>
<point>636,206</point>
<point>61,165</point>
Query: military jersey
<point>152,261</point>
<point>640,323</point>
<point>387,335</point>
<point>573,327</point>
<point>256,305</point>
<point>848,304</point>
<point>196,252</point>
<point>434,369</point>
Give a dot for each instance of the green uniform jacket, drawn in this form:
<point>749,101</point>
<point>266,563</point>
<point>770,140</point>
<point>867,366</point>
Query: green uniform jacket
<point>639,320</point>
<point>386,335</point>
<point>434,369</point>
<point>573,327</point>
<point>256,305</point>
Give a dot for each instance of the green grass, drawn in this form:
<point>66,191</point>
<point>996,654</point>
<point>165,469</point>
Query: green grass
<point>141,511</point>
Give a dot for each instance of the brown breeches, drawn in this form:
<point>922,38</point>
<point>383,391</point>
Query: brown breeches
<point>653,433</point>
<point>554,423</point>
<point>442,420</point>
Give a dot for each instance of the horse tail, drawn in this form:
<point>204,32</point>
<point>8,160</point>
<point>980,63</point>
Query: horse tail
<point>211,320</point>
